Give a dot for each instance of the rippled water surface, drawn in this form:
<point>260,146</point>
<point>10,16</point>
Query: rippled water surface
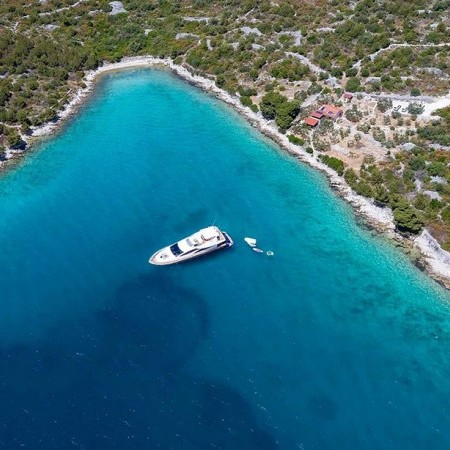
<point>334,342</point>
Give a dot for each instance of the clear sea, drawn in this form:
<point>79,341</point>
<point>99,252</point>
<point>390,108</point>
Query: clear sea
<point>335,342</point>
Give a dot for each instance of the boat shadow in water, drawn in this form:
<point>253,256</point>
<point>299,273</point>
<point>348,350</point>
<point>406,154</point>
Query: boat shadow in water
<point>117,379</point>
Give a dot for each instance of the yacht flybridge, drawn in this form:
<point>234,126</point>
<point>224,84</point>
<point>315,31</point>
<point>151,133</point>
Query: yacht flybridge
<point>206,240</point>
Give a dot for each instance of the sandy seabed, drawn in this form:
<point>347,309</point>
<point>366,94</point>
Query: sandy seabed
<point>433,258</point>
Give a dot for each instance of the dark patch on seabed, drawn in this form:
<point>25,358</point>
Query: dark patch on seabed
<point>197,216</point>
<point>117,380</point>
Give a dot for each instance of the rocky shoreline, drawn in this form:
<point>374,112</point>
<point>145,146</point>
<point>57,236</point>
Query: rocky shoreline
<point>424,250</point>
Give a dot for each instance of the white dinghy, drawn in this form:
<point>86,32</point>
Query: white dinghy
<point>250,241</point>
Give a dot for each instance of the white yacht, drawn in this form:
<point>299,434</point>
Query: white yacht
<point>206,240</point>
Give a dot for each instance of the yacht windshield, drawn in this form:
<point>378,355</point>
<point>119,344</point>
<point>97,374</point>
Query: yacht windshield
<point>175,250</point>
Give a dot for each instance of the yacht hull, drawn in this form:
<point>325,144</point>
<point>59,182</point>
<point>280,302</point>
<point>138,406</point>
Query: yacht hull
<point>166,255</point>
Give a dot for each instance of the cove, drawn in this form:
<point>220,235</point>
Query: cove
<point>336,341</point>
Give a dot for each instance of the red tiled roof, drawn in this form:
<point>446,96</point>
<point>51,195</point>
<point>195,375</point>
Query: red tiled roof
<point>317,114</point>
<point>348,95</point>
<point>311,121</point>
<point>332,110</point>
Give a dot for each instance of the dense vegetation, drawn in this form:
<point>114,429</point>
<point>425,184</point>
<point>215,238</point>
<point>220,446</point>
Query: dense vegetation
<point>438,131</point>
<point>394,183</point>
<point>276,106</point>
<point>45,47</point>
<point>335,163</point>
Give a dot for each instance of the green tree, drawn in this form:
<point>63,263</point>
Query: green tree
<point>406,218</point>
<point>276,106</point>
<point>383,104</point>
<point>285,113</point>
<point>350,177</point>
<point>14,139</point>
<point>269,104</point>
<point>421,201</point>
<point>381,195</point>
<point>353,114</point>
<point>353,84</point>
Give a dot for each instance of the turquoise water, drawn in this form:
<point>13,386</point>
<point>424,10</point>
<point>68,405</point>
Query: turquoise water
<point>334,342</point>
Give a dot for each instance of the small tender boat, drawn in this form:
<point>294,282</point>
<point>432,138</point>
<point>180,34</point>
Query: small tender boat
<point>257,250</point>
<point>250,241</point>
<point>204,241</point>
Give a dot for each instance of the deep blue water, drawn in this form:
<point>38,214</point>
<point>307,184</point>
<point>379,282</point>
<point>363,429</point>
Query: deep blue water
<point>334,342</point>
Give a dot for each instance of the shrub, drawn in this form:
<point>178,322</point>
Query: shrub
<point>350,177</point>
<point>220,81</point>
<point>247,91</point>
<point>246,101</point>
<point>435,204</point>
<point>295,140</point>
<point>14,139</point>
<point>435,133</point>
<point>291,69</point>
<point>381,195</point>
<point>415,108</point>
<point>315,88</point>
<point>436,169</point>
<point>352,84</point>
<point>335,163</point>
<point>417,163</point>
<point>353,115</point>
<point>363,189</point>
<point>444,113</point>
<point>384,104</point>
<point>421,201</point>
<point>405,216</point>
<point>445,214</point>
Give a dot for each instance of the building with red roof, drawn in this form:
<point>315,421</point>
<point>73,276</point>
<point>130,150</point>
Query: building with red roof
<point>311,121</point>
<point>347,96</point>
<point>317,114</point>
<point>332,112</point>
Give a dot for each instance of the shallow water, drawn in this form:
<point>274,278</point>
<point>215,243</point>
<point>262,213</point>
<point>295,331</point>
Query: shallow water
<point>334,342</point>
